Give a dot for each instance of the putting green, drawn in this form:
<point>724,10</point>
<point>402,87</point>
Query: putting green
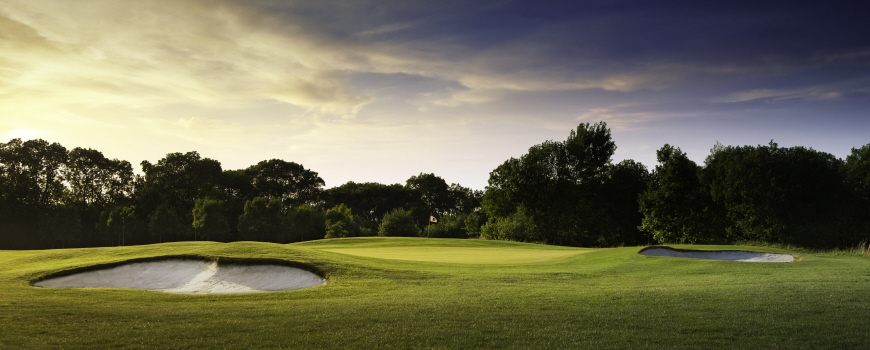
<point>463,255</point>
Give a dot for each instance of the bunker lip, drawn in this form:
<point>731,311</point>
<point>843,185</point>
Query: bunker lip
<point>190,274</point>
<point>729,255</point>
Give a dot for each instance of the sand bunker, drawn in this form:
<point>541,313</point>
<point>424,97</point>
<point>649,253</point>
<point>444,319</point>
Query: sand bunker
<point>732,255</point>
<point>191,277</point>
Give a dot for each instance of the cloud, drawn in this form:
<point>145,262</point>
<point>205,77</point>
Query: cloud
<point>151,54</point>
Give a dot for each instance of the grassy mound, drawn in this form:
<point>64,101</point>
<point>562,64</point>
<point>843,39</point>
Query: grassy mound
<point>410,293</point>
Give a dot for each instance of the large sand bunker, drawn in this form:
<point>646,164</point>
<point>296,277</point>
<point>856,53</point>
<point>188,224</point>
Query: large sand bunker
<point>187,276</point>
<point>732,255</point>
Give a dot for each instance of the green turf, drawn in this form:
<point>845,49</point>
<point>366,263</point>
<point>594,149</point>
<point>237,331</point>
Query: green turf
<point>466,295</point>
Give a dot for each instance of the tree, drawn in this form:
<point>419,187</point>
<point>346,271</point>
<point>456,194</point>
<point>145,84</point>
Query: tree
<point>178,180</point>
<point>209,221</point>
<point>371,201</point>
<point>618,211</point>
<point>340,223</point>
<point>434,193</point>
<point>117,222</point>
<point>558,185</point>
<point>857,172</point>
<point>305,223</point>
<point>30,186</point>
<point>773,194</point>
<point>448,226</point>
<point>61,227</point>
<point>675,206</point>
<point>473,223</point>
<point>518,227</point>
<point>95,180</point>
<point>96,183</point>
<point>262,221</point>
<point>166,226</point>
<point>399,223</point>
<point>287,181</point>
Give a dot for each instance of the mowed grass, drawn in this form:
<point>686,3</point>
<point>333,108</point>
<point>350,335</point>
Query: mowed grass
<point>444,298</point>
<point>469,252</point>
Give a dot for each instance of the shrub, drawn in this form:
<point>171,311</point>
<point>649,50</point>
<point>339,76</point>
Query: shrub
<point>516,227</point>
<point>399,223</point>
<point>340,223</point>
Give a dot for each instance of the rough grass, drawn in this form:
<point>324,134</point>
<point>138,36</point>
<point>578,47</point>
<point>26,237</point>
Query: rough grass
<point>608,298</point>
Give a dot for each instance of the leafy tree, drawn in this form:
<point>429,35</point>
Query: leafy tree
<point>399,223</point>
<point>178,180</point>
<point>465,200</point>
<point>675,206</point>
<point>96,183</point>
<point>95,180</point>
<point>262,221</point>
<point>857,172</point>
<point>61,227</point>
<point>433,191</point>
<point>440,199</point>
<point>783,195</point>
<point>305,223</point>
<point>287,181</point>
<point>30,186</point>
<point>618,211</point>
<point>448,226</point>
<point>518,227</point>
<point>209,221</point>
<point>371,200</point>
<point>119,223</point>
<point>473,223</point>
<point>558,184</point>
<point>167,226</point>
<point>340,223</point>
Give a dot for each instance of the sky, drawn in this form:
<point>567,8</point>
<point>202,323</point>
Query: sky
<point>378,91</point>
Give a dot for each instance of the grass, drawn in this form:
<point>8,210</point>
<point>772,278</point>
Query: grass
<point>407,293</point>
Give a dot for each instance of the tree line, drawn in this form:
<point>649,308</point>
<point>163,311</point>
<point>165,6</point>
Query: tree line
<point>570,193</point>
<point>51,197</point>
<point>560,192</point>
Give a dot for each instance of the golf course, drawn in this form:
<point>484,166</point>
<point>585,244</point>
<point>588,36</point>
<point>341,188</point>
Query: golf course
<point>449,293</point>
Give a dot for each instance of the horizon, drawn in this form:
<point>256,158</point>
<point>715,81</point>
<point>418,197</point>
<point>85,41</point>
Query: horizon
<point>365,92</point>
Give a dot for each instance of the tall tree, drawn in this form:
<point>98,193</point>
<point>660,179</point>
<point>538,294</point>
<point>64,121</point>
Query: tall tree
<point>287,181</point>
<point>790,195</point>
<point>95,180</point>
<point>262,221</point>
<point>434,193</point>
<point>675,206</point>
<point>557,183</point>
<point>178,180</point>
<point>61,227</point>
<point>166,225</point>
<point>619,211</point>
<point>30,185</point>
<point>340,223</point>
<point>209,221</point>
<point>857,170</point>
<point>305,223</point>
<point>96,183</point>
<point>371,201</point>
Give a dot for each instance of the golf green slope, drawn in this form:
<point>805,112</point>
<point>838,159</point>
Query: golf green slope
<point>443,293</point>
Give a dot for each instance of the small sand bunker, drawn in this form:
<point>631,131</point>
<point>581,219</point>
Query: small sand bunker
<point>732,255</point>
<point>191,277</point>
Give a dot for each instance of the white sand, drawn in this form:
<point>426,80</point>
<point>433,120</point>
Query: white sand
<point>191,277</point>
<point>732,255</point>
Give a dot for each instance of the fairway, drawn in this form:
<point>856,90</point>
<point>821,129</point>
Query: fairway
<point>464,255</point>
<point>450,293</point>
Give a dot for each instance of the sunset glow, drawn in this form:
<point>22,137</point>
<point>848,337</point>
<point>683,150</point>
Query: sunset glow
<point>362,91</point>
